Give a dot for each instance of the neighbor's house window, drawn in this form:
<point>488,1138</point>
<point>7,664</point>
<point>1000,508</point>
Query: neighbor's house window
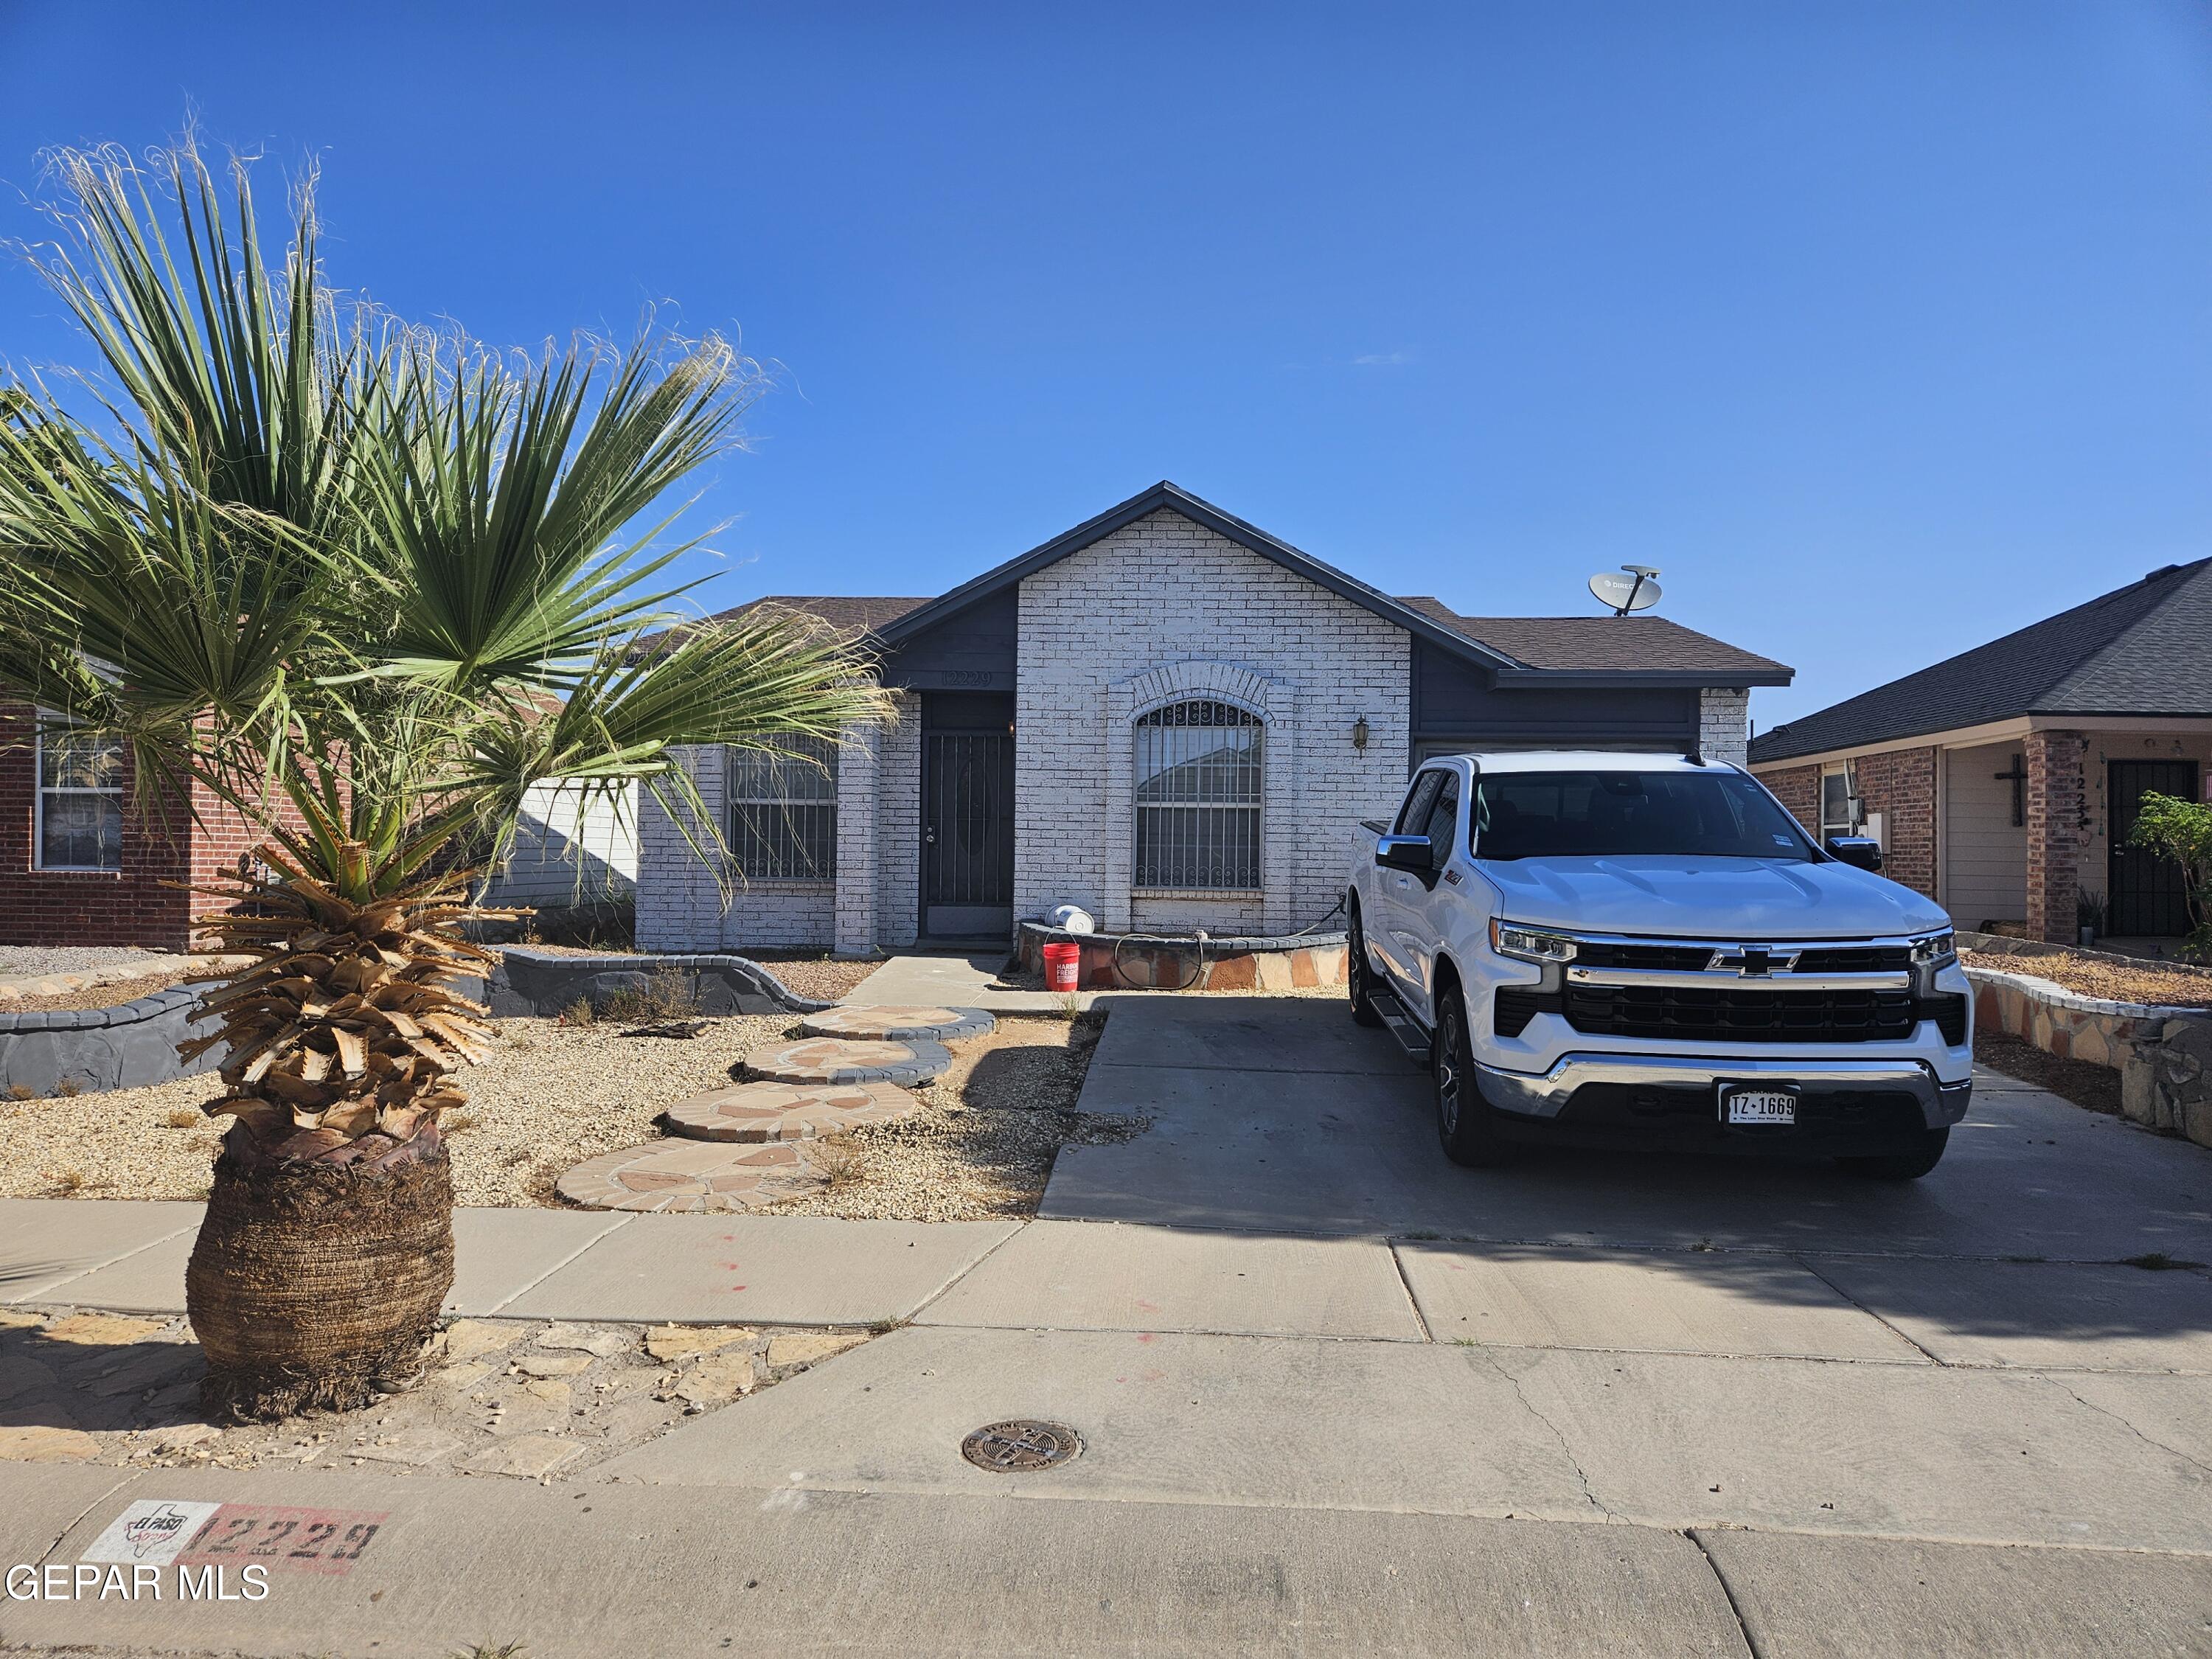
<point>783,809</point>
<point>1198,797</point>
<point>1835,805</point>
<point>80,801</point>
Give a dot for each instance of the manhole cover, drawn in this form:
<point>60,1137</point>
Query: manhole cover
<point>1022,1443</point>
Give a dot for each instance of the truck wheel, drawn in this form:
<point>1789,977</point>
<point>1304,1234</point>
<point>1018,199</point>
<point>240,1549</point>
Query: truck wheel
<point>1465,1123</point>
<point>1358,978</point>
<point>1903,1166</point>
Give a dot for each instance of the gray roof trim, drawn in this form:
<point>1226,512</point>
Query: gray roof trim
<point>1170,497</point>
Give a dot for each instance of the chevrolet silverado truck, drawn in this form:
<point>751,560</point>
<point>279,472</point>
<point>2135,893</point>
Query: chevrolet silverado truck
<point>1647,951</point>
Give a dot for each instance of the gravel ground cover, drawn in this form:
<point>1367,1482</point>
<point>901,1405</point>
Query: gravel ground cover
<point>983,1144</point>
<point>548,1096</point>
<point>2095,1087</point>
<point>18,960</point>
<point>518,1397</point>
<point>109,993</point>
<point>2180,987</point>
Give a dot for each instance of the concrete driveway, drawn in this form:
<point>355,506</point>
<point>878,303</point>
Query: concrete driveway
<point>1690,1406</point>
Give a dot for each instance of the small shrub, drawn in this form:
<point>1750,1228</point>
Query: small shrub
<point>68,1183</point>
<point>1069,1006</point>
<point>69,1088</point>
<point>667,993</point>
<point>22,1091</point>
<point>183,1117</point>
<point>841,1163</point>
<point>579,1012</point>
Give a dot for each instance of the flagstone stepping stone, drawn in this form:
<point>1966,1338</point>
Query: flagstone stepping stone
<point>900,1020</point>
<point>787,1111</point>
<point>681,1177</point>
<point>849,1060</point>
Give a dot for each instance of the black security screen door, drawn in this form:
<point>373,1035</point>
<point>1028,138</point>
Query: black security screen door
<point>968,820</point>
<point>2145,896</point>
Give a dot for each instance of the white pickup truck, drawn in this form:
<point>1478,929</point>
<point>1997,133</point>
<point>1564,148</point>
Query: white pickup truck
<point>1646,950</point>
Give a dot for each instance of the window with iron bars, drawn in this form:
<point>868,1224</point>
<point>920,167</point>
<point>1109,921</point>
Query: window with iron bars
<point>783,809</point>
<point>1198,797</point>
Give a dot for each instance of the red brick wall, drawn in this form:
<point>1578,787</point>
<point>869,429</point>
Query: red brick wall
<point>129,906</point>
<point>1798,788</point>
<point>2055,832</point>
<point>142,903</point>
<point>1900,785</point>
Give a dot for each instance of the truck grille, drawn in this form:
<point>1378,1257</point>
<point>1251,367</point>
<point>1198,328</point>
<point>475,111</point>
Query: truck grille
<point>1732,1015</point>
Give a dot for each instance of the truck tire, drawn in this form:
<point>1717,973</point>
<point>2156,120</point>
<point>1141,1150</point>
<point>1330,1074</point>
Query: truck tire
<point>1358,978</point>
<point>1902,1166</point>
<point>1466,1123</point>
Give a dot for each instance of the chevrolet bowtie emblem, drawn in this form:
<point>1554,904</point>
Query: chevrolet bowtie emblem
<point>1750,961</point>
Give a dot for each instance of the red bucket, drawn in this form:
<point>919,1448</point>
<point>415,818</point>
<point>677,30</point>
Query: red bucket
<point>1063,967</point>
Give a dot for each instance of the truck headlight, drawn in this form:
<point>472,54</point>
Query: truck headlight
<point>1936,949</point>
<point>1528,943</point>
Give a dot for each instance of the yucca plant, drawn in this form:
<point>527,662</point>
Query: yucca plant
<point>364,586</point>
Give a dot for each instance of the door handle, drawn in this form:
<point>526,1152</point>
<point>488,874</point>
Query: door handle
<point>929,836</point>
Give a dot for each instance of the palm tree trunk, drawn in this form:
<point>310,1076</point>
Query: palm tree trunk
<point>316,1281</point>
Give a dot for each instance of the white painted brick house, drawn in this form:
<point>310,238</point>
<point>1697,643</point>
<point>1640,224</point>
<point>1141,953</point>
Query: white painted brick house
<point>1166,715</point>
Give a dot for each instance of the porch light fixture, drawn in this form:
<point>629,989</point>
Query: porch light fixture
<point>1360,732</point>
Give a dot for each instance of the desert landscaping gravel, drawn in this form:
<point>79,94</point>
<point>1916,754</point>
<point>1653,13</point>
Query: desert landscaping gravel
<point>2175,988</point>
<point>109,993</point>
<point>17,960</point>
<point>547,1096</point>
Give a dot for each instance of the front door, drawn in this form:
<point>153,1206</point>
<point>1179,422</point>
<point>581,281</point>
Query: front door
<point>967,817</point>
<point>2145,893</point>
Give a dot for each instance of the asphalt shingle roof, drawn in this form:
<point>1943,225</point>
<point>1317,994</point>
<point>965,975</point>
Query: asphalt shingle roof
<point>1597,642</point>
<point>2142,649</point>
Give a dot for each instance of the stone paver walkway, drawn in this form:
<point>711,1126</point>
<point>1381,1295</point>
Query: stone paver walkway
<point>787,1111</point>
<point>845,1059</point>
<point>683,1177</point>
<point>900,1019</point>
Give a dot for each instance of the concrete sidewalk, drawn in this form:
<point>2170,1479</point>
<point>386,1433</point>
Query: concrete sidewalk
<point>956,982</point>
<point>540,1264</point>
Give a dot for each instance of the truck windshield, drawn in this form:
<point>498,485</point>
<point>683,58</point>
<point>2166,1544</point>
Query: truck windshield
<point>1523,815</point>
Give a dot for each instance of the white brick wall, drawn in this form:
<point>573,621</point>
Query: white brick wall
<point>1725,724</point>
<point>898,826</point>
<point>678,905</point>
<point>1165,608</point>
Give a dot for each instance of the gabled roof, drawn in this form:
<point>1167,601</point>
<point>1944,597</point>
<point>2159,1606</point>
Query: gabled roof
<point>848,613</point>
<point>1608,644</point>
<point>1438,627</point>
<point>2142,649</point>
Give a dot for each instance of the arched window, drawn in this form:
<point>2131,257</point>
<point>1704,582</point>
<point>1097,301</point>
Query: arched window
<point>1198,797</point>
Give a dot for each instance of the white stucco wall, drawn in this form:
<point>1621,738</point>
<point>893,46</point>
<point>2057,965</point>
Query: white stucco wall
<point>1165,608</point>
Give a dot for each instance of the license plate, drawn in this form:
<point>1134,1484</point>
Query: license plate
<point>1773,1106</point>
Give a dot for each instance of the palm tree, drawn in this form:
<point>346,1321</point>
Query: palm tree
<point>364,585</point>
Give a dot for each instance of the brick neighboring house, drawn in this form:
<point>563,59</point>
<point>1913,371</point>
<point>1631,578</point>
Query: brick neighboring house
<point>1166,715</point>
<point>79,866</point>
<point>2003,782</point>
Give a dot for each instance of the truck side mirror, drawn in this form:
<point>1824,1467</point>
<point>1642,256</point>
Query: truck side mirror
<point>1863,851</point>
<point>1415,855</point>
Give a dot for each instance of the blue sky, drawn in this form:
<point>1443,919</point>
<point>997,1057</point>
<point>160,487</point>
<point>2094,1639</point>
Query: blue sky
<point>1881,329</point>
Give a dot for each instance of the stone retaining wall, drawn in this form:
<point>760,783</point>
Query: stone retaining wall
<point>541,983</point>
<point>2163,1054</point>
<point>89,1049</point>
<point>1144,962</point>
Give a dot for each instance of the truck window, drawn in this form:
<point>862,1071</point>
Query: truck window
<point>1418,800</point>
<point>1520,815</point>
<point>1442,825</point>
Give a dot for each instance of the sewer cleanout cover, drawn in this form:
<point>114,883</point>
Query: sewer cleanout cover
<point>1020,1444</point>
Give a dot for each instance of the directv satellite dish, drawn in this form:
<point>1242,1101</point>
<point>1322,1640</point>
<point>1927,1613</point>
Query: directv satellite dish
<point>1636,591</point>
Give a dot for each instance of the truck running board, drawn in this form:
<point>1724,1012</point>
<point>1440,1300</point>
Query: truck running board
<point>1401,1025</point>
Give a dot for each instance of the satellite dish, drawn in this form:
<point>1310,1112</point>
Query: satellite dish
<point>1636,591</point>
